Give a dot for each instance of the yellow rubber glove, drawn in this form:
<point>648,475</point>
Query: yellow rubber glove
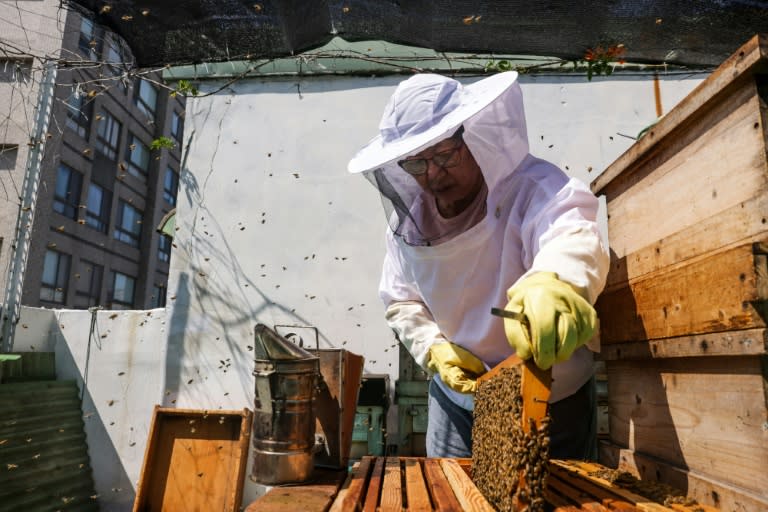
<point>457,367</point>
<point>554,321</point>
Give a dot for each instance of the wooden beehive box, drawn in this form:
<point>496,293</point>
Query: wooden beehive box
<point>683,316</point>
<point>194,460</point>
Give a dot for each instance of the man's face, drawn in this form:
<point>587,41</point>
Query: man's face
<point>448,171</point>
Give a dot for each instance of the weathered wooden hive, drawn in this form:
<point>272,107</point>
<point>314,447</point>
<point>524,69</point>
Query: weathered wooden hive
<point>684,312</point>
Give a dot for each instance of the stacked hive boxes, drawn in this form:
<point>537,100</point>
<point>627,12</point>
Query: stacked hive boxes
<point>684,313</point>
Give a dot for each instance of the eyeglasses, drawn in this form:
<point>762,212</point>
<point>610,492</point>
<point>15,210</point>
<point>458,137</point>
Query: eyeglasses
<point>445,159</point>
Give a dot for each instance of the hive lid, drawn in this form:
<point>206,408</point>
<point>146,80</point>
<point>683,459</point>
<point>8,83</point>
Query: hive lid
<point>271,346</point>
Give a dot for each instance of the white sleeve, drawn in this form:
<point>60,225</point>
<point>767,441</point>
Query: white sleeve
<point>406,313</point>
<point>564,238</point>
<point>415,328</point>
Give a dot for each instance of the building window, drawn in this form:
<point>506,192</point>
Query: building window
<point>66,199</point>
<point>108,132</point>
<point>8,155</point>
<point>123,287</point>
<point>137,155</point>
<point>115,64</point>
<point>157,300</point>
<point>55,277</point>
<point>146,98</point>
<point>78,113</point>
<point>164,248</point>
<point>128,227</point>
<point>98,207</point>
<point>170,186</point>
<point>176,126</point>
<point>88,42</point>
<point>88,289</point>
<point>114,58</point>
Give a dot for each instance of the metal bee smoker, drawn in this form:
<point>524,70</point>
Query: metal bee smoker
<point>286,382</point>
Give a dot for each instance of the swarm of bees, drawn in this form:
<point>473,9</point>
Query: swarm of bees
<point>502,452</point>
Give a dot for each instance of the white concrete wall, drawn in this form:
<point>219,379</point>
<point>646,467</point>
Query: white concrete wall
<point>272,229</point>
<point>120,364</point>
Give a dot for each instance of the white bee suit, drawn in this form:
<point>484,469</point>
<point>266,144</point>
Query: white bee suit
<point>535,219</point>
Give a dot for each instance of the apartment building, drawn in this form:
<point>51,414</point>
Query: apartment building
<point>104,185</point>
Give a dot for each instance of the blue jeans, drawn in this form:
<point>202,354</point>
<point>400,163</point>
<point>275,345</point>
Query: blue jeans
<point>572,429</point>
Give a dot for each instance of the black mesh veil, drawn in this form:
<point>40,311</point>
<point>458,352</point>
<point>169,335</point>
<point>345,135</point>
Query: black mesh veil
<point>408,212</point>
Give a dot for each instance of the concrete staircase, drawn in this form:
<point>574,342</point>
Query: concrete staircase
<point>44,463</point>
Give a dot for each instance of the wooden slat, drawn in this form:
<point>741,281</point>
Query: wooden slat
<point>392,492</point>
<point>351,496</point>
<point>704,414</point>
<point>466,465</point>
<point>575,471</point>
<point>337,504</point>
<point>739,224</point>
<point>748,342</point>
<point>557,500</point>
<point>374,486</point>
<point>142,492</point>
<point>535,388</point>
<point>604,498</point>
<point>442,494</point>
<point>719,293</point>
<point>711,165</point>
<point>712,494</point>
<point>244,443</point>
<point>585,501</point>
<point>417,496</point>
<point>619,505</point>
<point>468,495</point>
<point>589,468</point>
<point>741,63</point>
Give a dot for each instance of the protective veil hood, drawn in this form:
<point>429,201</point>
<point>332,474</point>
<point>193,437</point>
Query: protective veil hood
<point>426,109</point>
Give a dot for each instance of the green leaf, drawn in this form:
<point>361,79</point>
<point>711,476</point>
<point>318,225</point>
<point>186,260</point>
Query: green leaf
<point>162,142</point>
<point>186,88</point>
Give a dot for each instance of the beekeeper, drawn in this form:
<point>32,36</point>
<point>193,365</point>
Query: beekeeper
<point>477,222</point>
